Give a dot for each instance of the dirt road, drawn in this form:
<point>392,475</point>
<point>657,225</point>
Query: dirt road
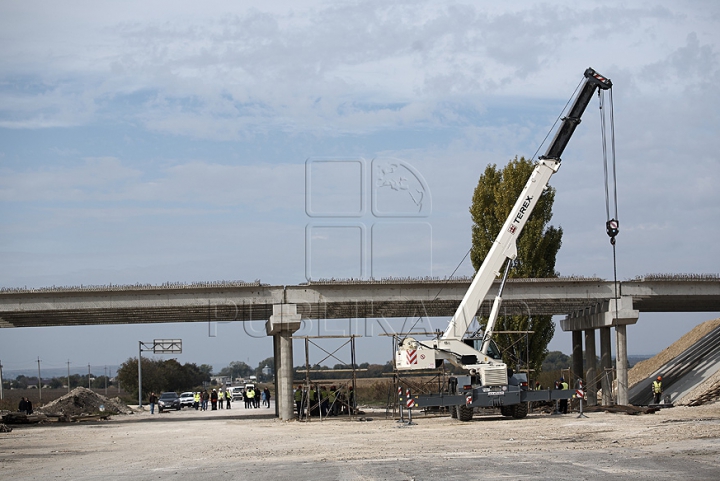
<point>676,443</point>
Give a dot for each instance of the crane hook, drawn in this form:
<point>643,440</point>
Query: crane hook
<point>612,227</point>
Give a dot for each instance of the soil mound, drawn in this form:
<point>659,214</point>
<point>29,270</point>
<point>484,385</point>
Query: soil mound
<point>82,400</point>
<point>643,369</point>
<point>705,392</point>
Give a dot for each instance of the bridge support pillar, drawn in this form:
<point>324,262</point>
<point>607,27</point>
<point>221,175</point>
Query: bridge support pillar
<point>281,325</point>
<point>606,366</point>
<point>577,358</point>
<point>590,365</point>
<point>616,313</point>
<point>621,363</point>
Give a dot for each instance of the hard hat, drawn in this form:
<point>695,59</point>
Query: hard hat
<point>659,378</point>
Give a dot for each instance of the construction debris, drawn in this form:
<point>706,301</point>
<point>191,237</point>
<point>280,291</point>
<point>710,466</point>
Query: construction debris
<point>5,428</point>
<point>82,401</point>
<point>22,418</point>
<point>621,409</point>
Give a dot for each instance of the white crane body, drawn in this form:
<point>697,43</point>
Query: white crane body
<point>488,382</point>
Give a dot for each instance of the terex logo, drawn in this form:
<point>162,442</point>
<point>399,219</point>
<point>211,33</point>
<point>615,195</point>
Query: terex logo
<point>523,209</point>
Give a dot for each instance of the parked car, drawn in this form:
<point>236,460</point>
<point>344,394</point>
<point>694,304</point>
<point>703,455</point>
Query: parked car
<point>237,393</point>
<point>169,400</point>
<point>187,399</point>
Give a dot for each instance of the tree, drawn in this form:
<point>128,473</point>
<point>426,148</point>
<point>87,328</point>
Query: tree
<point>237,369</point>
<point>537,247</point>
<point>268,362</point>
<point>206,369</point>
<point>160,376</point>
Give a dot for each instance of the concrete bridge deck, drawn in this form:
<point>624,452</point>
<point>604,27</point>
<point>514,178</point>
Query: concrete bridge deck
<point>586,302</point>
<point>338,300</point>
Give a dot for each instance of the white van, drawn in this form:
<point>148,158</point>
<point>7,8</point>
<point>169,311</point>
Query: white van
<point>237,393</point>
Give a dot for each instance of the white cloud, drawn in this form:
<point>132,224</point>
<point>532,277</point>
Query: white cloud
<point>214,73</point>
<point>261,187</point>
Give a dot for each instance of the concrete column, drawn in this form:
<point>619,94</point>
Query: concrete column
<point>605,366</point>
<point>276,357</point>
<point>577,359</point>
<point>281,325</point>
<point>621,363</point>
<point>590,364</point>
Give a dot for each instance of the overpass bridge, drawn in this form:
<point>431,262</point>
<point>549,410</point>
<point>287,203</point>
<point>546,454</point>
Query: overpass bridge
<point>589,304</point>
<point>240,301</point>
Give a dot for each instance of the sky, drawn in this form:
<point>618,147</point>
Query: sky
<point>168,141</point>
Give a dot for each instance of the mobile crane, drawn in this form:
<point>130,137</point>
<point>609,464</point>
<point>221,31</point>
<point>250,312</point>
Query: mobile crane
<point>489,382</point>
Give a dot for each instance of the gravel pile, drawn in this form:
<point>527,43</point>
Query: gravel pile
<point>82,400</point>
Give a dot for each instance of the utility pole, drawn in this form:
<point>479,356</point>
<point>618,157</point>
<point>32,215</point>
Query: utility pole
<point>39,381</point>
<point>1,382</point>
<point>88,376</point>
<point>105,381</point>
<point>140,345</point>
<point>68,364</point>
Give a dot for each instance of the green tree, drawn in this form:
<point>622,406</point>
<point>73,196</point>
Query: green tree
<point>160,376</point>
<point>269,362</point>
<point>55,383</point>
<point>206,369</point>
<point>537,247</point>
<point>237,369</point>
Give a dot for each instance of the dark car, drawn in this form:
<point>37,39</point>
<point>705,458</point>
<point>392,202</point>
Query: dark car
<point>169,400</point>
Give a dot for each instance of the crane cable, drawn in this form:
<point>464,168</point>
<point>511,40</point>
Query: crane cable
<point>612,225</point>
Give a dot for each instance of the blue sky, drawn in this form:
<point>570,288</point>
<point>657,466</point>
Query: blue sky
<point>147,142</point>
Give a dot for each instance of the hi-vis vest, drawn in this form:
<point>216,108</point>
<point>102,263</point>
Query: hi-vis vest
<point>298,395</point>
<point>657,387</point>
<point>197,397</point>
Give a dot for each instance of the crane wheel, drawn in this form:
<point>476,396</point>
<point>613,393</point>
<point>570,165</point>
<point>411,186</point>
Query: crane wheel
<point>453,412</point>
<point>506,410</point>
<point>465,413</point>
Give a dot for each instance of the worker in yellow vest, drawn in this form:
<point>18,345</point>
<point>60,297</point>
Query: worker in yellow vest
<point>324,398</point>
<point>299,401</point>
<point>564,402</point>
<point>657,389</point>
<point>250,398</point>
<point>196,400</point>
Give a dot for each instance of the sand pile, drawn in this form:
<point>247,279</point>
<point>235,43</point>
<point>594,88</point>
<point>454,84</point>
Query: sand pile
<point>82,400</point>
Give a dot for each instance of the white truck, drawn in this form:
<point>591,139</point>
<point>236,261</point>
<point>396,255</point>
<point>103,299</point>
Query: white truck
<point>488,382</point>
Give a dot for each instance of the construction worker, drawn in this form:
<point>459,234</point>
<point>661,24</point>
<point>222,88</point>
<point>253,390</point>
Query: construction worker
<point>250,398</point>
<point>563,407</point>
<point>324,398</point>
<point>314,408</point>
<point>228,398</point>
<point>299,401</point>
<point>657,390</point>
<point>196,400</point>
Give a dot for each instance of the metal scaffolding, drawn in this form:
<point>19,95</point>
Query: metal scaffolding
<point>315,400</point>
